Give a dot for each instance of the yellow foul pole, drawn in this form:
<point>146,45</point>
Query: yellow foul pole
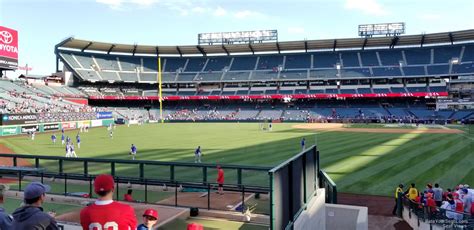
<point>159,90</point>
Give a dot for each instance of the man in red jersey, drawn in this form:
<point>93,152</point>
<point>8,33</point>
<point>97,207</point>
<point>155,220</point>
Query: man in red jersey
<point>106,214</point>
<point>220,180</point>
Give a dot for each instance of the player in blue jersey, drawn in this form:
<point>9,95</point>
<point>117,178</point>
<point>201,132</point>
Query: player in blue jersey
<point>62,139</point>
<point>53,138</point>
<point>197,155</point>
<point>71,149</point>
<point>78,140</point>
<point>68,151</point>
<point>133,151</point>
<point>303,143</point>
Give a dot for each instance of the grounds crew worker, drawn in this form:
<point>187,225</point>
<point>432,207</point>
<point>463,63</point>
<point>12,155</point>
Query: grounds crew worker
<point>398,190</point>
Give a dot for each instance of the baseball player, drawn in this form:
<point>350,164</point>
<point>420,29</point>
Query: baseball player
<point>33,135</point>
<point>78,140</point>
<point>111,134</point>
<point>62,139</point>
<point>197,155</point>
<point>53,138</point>
<point>105,213</point>
<point>68,151</point>
<point>72,152</point>
<point>133,151</point>
<point>303,144</point>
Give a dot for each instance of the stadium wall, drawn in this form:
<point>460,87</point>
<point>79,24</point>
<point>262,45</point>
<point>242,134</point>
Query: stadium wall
<point>346,217</point>
<point>314,216</point>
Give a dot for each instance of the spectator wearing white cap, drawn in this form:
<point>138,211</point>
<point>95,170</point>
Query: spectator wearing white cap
<point>31,215</point>
<point>5,219</point>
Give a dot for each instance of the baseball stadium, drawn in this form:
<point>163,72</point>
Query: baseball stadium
<point>311,134</point>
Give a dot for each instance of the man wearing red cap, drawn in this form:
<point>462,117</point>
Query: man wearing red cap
<point>194,226</point>
<point>150,217</point>
<point>106,213</point>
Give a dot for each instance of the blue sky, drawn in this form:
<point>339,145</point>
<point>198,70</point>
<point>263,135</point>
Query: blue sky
<point>42,24</point>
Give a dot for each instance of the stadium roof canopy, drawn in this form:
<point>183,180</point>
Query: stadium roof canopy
<point>287,46</point>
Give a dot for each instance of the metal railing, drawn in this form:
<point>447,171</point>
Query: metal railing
<point>449,219</point>
<point>165,182</point>
<point>331,189</point>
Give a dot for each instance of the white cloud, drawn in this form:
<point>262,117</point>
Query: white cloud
<point>247,13</point>
<point>182,7</point>
<point>219,11</point>
<point>144,2</point>
<point>296,30</point>
<point>371,7</point>
<point>114,4</point>
<point>198,9</point>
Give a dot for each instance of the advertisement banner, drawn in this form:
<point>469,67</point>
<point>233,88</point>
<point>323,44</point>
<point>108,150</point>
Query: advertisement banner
<point>30,128</point>
<point>49,127</point>
<point>275,96</point>
<point>104,115</point>
<point>9,131</point>
<point>8,48</point>
<point>83,124</point>
<point>68,125</point>
<point>19,119</point>
<point>96,123</point>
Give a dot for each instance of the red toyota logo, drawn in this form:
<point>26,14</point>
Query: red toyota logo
<point>6,37</point>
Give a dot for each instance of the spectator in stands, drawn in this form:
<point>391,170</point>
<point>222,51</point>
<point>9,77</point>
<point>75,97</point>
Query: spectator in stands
<point>445,194</point>
<point>5,219</point>
<point>459,207</point>
<point>429,189</point>
<point>220,180</point>
<point>398,190</point>
<point>150,217</point>
<point>438,194</point>
<point>466,201</point>
<point>458,189</point>
<point>105,211</point>
<point>31,215</point>
<point>449,206</point>
<point>430,203</point>
<point>412,192</point>
<point>419,200</point>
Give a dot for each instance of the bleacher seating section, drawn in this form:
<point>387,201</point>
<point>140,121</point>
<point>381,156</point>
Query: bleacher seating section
<point>429,61</point>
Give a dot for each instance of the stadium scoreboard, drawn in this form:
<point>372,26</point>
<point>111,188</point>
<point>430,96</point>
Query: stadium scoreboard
<point>387,29</point>
<point>238,37</point>
<point>8,48</point>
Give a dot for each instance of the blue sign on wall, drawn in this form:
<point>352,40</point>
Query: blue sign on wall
<point>104,115</point>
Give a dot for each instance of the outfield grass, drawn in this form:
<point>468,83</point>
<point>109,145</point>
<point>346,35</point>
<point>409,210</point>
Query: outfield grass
<point>367,163</point>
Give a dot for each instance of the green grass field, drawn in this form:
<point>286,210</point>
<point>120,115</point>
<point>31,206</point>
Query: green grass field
<point>365,163</point>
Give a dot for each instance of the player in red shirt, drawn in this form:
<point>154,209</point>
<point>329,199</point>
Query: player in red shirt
<point>106,214</point>
<point>128,197</point>
<point>220,180</point>
<point>194,226</point>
